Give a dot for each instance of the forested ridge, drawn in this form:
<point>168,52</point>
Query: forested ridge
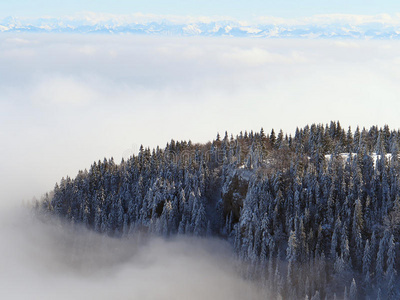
<point>314,216</point>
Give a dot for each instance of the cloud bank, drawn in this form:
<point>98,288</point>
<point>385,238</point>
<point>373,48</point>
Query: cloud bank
<point>48,260</point>
<point>68,100</point>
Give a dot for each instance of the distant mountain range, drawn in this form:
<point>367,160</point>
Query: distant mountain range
<point>329,26</point>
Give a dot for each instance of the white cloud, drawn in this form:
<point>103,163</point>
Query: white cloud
<point>326,19</point>
<point>257,56</point>
<point>142,18</point>
<point>62,90</point>
<point>347,44</point>
<point>68,100</point>
<point>75,99</point>
<point>48,260</point>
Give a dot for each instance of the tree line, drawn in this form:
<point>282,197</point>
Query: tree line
<point>315,215</point>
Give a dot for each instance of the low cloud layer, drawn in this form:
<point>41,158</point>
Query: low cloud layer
<point>47,260</point>
<point>67,100</point>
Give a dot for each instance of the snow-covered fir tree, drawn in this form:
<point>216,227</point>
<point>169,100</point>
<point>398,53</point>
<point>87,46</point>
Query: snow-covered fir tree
<point>312,215</point>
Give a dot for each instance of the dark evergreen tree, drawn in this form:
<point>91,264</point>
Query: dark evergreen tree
<point>331,199</point>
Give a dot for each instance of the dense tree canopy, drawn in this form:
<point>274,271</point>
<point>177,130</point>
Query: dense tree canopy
<point>315,215</point>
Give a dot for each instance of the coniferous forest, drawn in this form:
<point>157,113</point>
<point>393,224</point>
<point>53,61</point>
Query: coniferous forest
<point>314,215</point>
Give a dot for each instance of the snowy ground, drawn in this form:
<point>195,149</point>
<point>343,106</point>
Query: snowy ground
<point>374,156</point>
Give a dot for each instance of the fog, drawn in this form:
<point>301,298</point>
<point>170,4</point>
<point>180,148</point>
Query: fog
<point>68,100</point>
<point>48,260</point>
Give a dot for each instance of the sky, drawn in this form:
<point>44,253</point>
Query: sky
<point>244,10</point>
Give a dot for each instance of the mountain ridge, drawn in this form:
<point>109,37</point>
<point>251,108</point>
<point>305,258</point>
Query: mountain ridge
<point>306,220</point>
<point>312,28</point>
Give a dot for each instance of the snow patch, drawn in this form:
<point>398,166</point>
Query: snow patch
<point>192,29</point>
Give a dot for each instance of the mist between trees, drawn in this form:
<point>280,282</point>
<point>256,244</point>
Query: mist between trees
<point>310,216</point>
<point>47,258</point>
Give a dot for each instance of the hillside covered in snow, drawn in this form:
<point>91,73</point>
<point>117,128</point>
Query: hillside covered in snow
<point>314,215</point>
